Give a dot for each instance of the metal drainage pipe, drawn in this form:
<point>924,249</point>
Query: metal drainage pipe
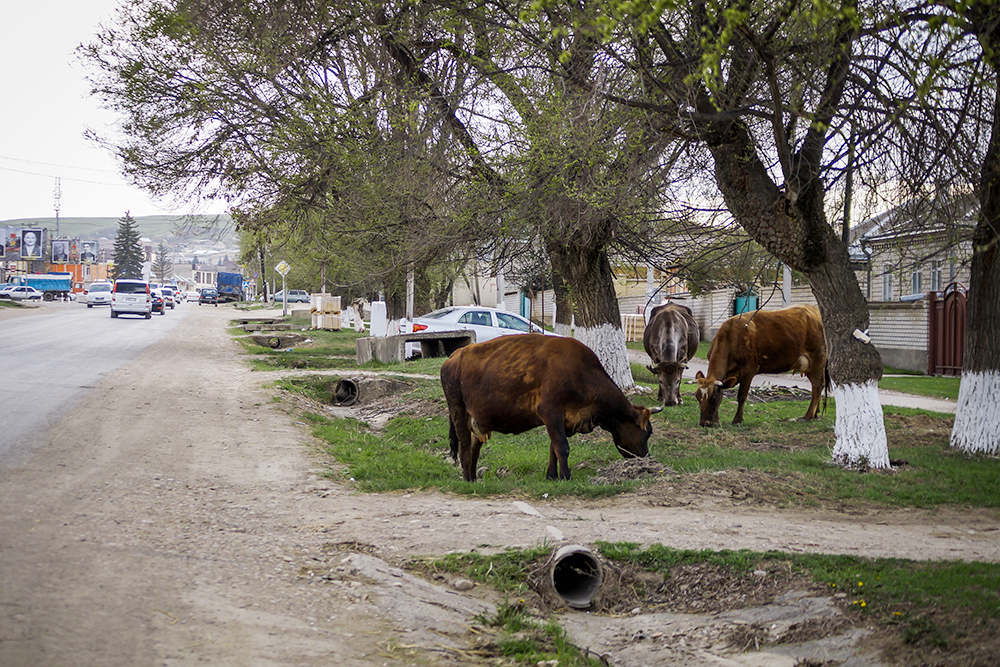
<point>346,392</point>
<point>576,575</point>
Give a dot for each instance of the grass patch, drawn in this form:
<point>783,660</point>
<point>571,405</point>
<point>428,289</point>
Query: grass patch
<point>923,385</point>
<point>921,606</point>
<point>772,459</point>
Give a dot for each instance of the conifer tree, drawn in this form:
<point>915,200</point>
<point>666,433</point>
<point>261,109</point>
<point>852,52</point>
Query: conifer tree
<point>129,254</point>
<point>162,266</point>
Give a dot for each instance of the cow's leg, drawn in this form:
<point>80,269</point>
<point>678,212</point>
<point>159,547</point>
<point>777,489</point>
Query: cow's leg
<point>817,392</point>
<point>741,398</point>
<point>461,438</point>
<point>475,446</point>
<point>558,452</point>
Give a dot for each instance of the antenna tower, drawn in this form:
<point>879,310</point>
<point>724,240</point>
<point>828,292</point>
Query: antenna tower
<point>57,195</point>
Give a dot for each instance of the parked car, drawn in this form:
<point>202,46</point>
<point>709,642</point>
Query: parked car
<point>131,296</point>
<point>192,296</point>
<point>159,301</point>
<point>169,296</point>
<point>294,296</point>
<point>209,295</point>
<point>487,323</point>
<point>99,293</point>
<point>22,293</point>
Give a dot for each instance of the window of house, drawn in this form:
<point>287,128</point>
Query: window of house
<point>916,280</point>
<point>887,286</point>
<point>935,276</point>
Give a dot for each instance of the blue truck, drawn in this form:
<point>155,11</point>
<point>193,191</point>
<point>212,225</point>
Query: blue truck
<point>230,286</point>
<point>56,285</point>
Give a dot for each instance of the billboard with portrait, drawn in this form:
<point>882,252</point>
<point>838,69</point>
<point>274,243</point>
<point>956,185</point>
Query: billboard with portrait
<point>60,251</point>
<point>31,243</point>
<point>88,252</point>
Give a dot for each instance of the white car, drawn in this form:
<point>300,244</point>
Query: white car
<point>99,293</point>
<point>487,323</point>
<point>22,293</point>
<point>169,296</point>
<point>131,296</point>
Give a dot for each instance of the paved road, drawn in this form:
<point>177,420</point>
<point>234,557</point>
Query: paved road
<point>52,357</point>
<point>790,380</point>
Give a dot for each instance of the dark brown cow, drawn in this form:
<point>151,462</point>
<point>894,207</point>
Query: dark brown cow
<point>763,342</point>
<point>513,384</point>
<point>670,339</point>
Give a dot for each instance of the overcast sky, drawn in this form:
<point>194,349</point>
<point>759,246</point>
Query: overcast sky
<point>45,110</point>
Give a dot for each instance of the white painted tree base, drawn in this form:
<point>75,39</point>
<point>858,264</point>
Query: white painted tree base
<point>977,416</point>
<point>608,343</point>
<point>860,428</point>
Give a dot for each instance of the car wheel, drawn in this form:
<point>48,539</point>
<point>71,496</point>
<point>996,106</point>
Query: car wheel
<point>149,315</point>
<point>90,305</point>
<point>114,314</point>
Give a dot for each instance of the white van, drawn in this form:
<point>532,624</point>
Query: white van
<point>99,293</point>
<point>131,296</point>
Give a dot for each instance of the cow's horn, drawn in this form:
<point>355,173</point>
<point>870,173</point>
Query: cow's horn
<point>718,383</point>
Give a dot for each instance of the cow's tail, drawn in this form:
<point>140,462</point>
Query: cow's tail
<point>827,385</point>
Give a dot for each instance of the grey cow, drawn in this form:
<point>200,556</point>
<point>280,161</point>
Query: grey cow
<point>670,339</point>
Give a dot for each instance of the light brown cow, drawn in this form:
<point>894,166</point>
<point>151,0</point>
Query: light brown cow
<point>777,341</point>
<point>513,384</point>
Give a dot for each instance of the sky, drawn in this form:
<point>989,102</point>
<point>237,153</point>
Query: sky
<point>45,110</point>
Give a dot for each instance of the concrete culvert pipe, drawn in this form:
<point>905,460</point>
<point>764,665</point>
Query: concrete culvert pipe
<point>345,392</point>
<point>576,575</point>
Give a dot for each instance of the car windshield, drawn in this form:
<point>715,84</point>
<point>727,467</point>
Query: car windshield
<point>100,288</point>
<point>437,314</point>
<point>131,288</point>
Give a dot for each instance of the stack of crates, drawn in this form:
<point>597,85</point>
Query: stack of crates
<point>326,312</point>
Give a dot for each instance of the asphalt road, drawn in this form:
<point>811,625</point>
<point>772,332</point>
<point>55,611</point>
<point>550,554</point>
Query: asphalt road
<point>51,358</point>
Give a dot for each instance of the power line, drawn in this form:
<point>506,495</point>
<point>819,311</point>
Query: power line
<point>60,166</point>
<point>75,180</point>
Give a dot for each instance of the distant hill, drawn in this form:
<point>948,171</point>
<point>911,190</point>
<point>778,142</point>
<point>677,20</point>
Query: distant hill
<point>170,228</point>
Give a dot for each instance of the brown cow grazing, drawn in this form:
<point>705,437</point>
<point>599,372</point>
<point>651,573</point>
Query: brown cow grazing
<point>777,341</point>
<point>670,339</point>
<point>513,384</point>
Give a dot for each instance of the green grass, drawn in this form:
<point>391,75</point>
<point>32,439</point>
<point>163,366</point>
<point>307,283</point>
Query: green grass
<point>929,602</point>
<point>790,459</point>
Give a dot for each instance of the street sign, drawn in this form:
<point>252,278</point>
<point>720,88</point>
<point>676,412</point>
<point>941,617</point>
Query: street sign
<point>283,268</point>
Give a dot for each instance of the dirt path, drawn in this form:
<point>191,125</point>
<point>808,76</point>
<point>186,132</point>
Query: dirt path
<point>188,524</point>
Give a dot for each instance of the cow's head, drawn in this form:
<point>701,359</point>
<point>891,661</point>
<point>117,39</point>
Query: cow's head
<point>632,436</point>
<point>669,374</point>
<point>709,397</point>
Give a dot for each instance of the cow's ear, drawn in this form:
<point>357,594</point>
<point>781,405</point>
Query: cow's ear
<point>730,382</point>
<point>699,375</point>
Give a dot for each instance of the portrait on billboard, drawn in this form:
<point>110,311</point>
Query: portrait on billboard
<point>87,254</point>
<point>60,251</point>
<point>31,244</point>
